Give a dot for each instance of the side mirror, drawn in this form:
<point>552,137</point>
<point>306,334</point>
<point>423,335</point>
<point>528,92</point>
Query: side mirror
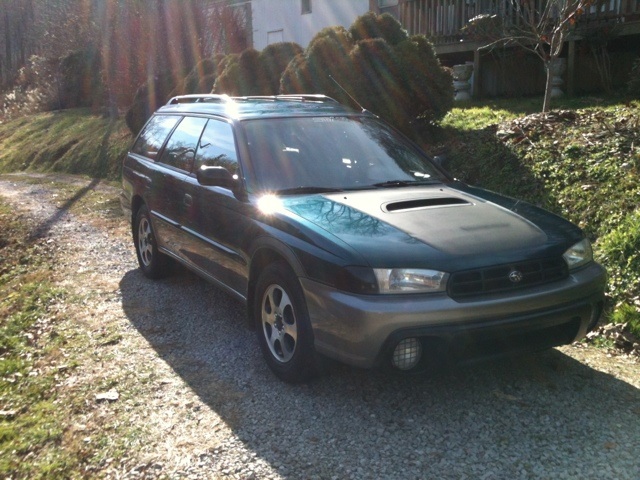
<point>440,160</point>
<point>216,177</point>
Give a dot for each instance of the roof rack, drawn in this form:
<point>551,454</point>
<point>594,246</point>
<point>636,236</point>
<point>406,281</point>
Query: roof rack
<point>215,98</point>
<point>200,98</point>
<point>303,97</point>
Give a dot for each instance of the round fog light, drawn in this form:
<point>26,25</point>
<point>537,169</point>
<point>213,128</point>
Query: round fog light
<point>407,354</point>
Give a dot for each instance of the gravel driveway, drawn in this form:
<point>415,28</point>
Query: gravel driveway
<point>191,378</point>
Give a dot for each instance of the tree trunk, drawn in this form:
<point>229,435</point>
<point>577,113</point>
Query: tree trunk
<point>547,90</point>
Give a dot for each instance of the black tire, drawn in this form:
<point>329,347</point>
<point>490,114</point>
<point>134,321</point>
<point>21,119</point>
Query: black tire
<point>283,327</point>
<point>153,264</point>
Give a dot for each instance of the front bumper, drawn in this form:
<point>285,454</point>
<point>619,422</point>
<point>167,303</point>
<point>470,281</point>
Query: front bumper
<point>362,330</point>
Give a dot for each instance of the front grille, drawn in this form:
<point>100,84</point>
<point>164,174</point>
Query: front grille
<point>497,279</point>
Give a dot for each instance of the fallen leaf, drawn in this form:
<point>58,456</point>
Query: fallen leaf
<point>109,396</point>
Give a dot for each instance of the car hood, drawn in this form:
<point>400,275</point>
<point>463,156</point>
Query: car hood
<point>443,227</point>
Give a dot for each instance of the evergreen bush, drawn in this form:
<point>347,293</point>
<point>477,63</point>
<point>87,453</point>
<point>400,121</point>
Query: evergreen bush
<point>430,85</point>
<point>393,75</point>
<point>321,68</point>
<point>200,80</point>
<point>243,76</point>
<point>293,79</point>
<point>275,58</point>
<point>385,27</point>
<point>149,96</point>
<point>376,83</point>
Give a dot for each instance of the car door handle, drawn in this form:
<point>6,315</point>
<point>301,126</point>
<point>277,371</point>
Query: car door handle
<point>188,200</point>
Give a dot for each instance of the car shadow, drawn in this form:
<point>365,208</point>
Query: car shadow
<point>539,416</point>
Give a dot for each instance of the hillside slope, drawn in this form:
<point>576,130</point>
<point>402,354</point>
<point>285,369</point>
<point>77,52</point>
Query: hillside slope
<point>69,141</point>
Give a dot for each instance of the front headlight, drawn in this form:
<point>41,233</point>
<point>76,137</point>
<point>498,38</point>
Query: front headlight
<point>410,280</point>
<point>578,255</point>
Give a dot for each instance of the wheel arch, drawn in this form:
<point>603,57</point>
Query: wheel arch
<point>136,203</point>
<point>270,252</point>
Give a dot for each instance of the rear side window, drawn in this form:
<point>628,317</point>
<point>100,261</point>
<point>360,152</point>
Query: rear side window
<point>182,144</point>
<point>217,147</point>
<point>153,136</point>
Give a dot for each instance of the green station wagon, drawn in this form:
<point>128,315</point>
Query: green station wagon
<point>346,241</point>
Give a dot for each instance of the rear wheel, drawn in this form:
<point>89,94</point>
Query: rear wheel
<point>284,330</point>
<point>152,263</point>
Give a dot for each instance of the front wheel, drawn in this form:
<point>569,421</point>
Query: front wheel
<point>284,330</point>
<point>152,263</point>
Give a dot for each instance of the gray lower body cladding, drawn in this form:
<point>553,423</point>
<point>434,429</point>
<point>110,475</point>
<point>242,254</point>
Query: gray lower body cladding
<point>362,330</point>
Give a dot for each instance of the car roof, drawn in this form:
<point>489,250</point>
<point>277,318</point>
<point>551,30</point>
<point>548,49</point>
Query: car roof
<point>241,108</point>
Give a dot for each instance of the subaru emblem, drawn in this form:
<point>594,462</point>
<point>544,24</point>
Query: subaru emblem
<point>515,276</point>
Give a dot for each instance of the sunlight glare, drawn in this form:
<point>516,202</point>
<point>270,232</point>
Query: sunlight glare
<point>269,204</point>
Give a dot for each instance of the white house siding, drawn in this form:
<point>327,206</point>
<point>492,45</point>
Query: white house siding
<point>283,21</point>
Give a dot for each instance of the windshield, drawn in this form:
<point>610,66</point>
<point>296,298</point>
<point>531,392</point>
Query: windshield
<point>303,155</point>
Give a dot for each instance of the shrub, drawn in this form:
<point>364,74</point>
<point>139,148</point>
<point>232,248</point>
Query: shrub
<point>340,35</point>
<point>80,79</point>
<point>430,86</point>
<point>377,83</point>
<point>229,71</point>
<point>274,59</point>
<point>619,251</point>
<point>628,314</point>
<point>244,76</point>
<point>149,96</point>
<point>200,80</point>
<point>226,60</point>
<point>323,64</point>
<point>202,77</point>
<point>394,76</point>
<point>35,89</point>
<point>293,79</point>
<point>385,27</point>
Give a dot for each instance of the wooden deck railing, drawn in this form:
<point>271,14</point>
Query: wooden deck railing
<point>442,20</point>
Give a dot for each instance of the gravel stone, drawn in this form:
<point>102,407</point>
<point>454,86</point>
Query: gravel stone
<point>211,408</point>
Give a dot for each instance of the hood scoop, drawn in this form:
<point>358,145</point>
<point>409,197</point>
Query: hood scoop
<point>419,203</point>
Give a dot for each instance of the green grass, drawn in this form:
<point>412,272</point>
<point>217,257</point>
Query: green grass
<point>72,141</point>
<point>32,425</point>
<point>45,421</point>
<point>479,114</point>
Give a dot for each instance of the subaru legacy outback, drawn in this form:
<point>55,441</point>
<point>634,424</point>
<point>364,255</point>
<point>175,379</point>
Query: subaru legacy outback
<point>346,241</point>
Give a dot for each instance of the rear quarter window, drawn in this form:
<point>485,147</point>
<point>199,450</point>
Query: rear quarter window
<point>154,135</point>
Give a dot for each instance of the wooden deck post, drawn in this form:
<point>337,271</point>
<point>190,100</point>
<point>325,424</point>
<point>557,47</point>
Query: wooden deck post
<point>476,74</point>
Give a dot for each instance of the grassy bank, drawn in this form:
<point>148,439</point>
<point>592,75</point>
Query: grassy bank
<point>70,141</point>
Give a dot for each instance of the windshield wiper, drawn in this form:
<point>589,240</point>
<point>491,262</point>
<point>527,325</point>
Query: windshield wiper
<point>403,183</point>
<point>303,190</point>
